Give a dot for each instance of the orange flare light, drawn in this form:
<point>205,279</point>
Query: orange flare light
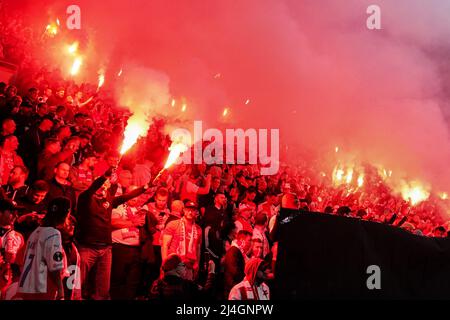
<point>176,149</point>
<point>225,112</point>
<point>73,48</point>
<point>137,127</point>
<point>360,180</point>
<point>101,80</point>
<point>76,66</point>
<point>414,192</point>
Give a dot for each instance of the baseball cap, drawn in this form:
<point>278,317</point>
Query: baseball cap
<point>190,204</point>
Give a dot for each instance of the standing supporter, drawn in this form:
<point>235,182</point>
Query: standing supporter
<point>184,237</point>
<point>8,157</point>
<point>253,286</point>
<point>235,259</point>
<point>42,275</point>
<point>93,234</point>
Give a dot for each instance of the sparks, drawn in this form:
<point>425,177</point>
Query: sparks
<point>247,101</point>
<point>173,103</point>
<point>51,30</point>
<point>137,127</point>
<point>336,149</point>
<point>183,108</point>
<point>225,112</point>
<point>120,73</point>
<point>57,22</point>
<point>76,66</point>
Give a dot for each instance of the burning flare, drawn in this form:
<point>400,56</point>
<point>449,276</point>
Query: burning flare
<point>76,66</point>
<point>73,48</point>
<point>360,180</point>
<point>225,112</point>
<point>176,149</point>
<point>137,127</point>
<point>414,192</point>
<point>101,79</point>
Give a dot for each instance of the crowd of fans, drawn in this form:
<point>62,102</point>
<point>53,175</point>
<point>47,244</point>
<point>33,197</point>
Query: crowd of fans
<point>78,221</point>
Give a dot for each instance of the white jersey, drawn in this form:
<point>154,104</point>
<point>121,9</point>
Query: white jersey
<point>44,253</point>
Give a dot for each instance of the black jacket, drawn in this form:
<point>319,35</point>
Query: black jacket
<point>94,214</point>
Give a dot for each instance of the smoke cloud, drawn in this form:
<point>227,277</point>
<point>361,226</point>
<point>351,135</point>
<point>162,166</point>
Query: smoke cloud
<point>310,68</point>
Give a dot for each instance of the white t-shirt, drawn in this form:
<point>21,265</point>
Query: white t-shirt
<point>44,253</point>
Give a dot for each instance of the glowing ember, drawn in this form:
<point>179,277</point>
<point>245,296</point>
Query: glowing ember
<point>225,112</point>
<point>349,176</point>
<point>247,102</point>
<point>173,103</point>
<point>360,180</point>
<point>73,48</point>
<point>137,127</point>
<point>339,174</point>
<point>101,79</point>
<point>414,192</point>
<point>176,149</point>
<point>183,108</point>
<point>51,30</point>
<point>443,195</point>
<point>120,73</point>
<point>76,66</point>
<point>57,22</point>
<point>336,149</point>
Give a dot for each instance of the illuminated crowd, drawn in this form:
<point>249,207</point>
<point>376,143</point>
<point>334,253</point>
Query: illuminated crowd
<point>197,231</point>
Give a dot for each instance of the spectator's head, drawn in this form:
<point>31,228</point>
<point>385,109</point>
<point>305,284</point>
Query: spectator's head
<point>11,91</point>
<point>244,240</point>
<point>42,109</point>
<point>220,200</point>
<point>58,211</point>
<point>72,144</point>
<point>257,248</point>
<point>177,207</point>
<point>216,171</point>
<point>344,211</point>
<point>125,178</point>
<point>250,194</point>
<point>89,160</point>
<point>161,198</point>
<point>133,202</point>
<point>38,191</point>
<point>112,158</point>
<point>245,211</point>
<point>215,183</point>
<point>261,219</point>
<point>46,124</point>
<point>440,232</point>
<point>79,119</point>
<point>190,210</point>
<point>9,143</point>
<point>290,201</point>
<point>48,92</point>
<point>18,175</point>
<point>328,209</point>
<point>62,170</point>
<point>60,92</point>
<point>63,132</point>
<point>261,184</point>
<point>52,145</point>
<point>286,188</point>
<point>173,265</point>
<point>8,212</point>
<point>16,102</point>
<point>33,93</point>
<point>8,127</point>
<point>256,271</point>
<point>85,139</point>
